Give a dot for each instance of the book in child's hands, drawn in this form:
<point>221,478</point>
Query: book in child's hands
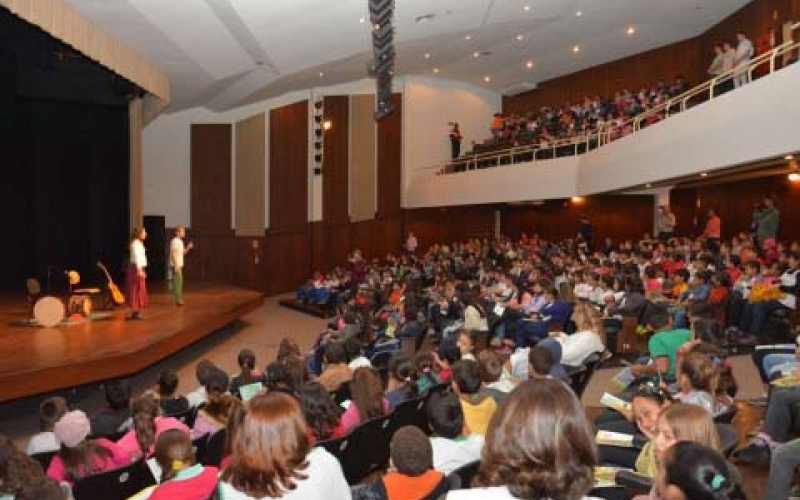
<point>622,379</point>
<point>249,391</point>
<point>786,381</point>
<point>615,403</point>
<point>610,438</point>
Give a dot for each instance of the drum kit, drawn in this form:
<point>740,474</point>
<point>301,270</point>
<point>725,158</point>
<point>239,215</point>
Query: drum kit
<point>49,311</point>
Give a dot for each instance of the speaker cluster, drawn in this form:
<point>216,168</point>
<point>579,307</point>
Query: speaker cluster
<point>381,68</point>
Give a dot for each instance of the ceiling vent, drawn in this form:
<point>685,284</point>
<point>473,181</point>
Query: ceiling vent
<point>519,88</point>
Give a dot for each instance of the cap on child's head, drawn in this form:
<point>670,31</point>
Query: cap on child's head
<point>72,429</point>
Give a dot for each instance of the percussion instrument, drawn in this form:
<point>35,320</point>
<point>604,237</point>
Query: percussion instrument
<point>48,311</point>
<point>80,304</point>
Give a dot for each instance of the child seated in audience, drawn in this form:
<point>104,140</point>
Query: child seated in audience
<point>465,345</point>
<point>478,408</point>
<point>213,416</point>
<point>116,416</point>
<point>44,489</point>
<point>452,441</point>
<point>401,385</point>
<point>355,353</point>
<point>539,446</point>
<point>412,476</point>
<point>323,416</point>
<point>298,471</point>
<point>50,411</point>
<point>663,346</point>
<point>495,384</point>
<point>171,404</point>
<point>17,470</point>
<point>148,424</point>
<point>181,477</point>
<point>368,400</point>
<point>248,374</point>
<point>446,355</point>
<point>80,456</point>
<point>545,360</point>
<point>692,471</point>
<point>424,363</point>
<point>336,372</point>
<point>202,370</point>
<point>697,380</point>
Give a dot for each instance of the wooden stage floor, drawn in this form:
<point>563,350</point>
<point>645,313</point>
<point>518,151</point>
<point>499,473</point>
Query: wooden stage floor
<point>34,360</point>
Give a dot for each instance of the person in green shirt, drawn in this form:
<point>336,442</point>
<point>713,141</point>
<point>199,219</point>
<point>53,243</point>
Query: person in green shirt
<point>663,346</point>
<point>766,219</point>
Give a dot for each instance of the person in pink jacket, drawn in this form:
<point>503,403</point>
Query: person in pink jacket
<point>148,424</point>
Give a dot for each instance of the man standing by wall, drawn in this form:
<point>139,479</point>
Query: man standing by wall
<point>665,223</point>
<point>177,251</point>
<point>744,52</point>
<point>766,219</point>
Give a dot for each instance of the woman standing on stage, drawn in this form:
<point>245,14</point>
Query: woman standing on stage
<point>136,279</point>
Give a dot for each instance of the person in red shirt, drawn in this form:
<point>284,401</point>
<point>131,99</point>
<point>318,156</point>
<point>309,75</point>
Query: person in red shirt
<point>713,230</point>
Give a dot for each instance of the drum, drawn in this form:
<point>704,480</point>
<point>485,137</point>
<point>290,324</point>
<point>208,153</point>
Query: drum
<point>48,311</point>
<point>80,304</point>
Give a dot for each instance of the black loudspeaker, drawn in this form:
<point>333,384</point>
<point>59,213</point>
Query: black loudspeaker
<point>156,246</point>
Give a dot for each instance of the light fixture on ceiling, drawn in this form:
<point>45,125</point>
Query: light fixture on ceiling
<point>794,177</point>
<point>468,37</point>
<point>631,31</point>
<point>576,49</point>
<point>526,8</point>
<point>436,70</point>
<point>476,54</point>
<point>487,78</point>
<point>578,13</point>
<point>704,174</point>
<point>427,55</point>
<point>529,64</point>
<point>321,74</point>
<point>362,20</point>
<point>648,185</point>
<point>788,157</point>
<point>520,38</point>
<point>577,199</point>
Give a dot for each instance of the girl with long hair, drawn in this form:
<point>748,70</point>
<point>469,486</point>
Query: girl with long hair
<point>148,423</point>
<point>368,399</point>
<point>322,414</point>
<point>273,457</point>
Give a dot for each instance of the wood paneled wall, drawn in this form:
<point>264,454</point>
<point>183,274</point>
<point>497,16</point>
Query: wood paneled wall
<point>734,203</point>
<point>390,180</point>
<point>211,179</point>
<point>617,216</point>
<point>448,224</point>
<point>250,178</point>
<point>689,58</point>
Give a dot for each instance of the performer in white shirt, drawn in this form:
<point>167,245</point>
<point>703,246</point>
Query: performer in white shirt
<point>136,279</point>
<point>177,251</point>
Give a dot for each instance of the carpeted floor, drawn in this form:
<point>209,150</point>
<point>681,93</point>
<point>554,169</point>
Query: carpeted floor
<point>744,371</point>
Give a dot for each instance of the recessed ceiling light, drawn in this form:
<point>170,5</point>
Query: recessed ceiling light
<point>476,54</point>
<point>487,79</point>
<point>648,185</point>
<point>788,157</point>
<point>529,64</point>
<point>576,49</point>
<point>362,20</point>
<point>321,74</point>
<point>578,13</point>
<point>526,8</point>
<point>704,174</point>
<point>631,31</point>
<point>520,38</point>
<point>468,37</point>
<point>377,26</point>
<point>426,55</point>
<point>435,70</point>
<point>794,177</point>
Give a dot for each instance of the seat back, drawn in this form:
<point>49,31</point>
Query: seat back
<point>590,365</point>
<point>466,473</point>
<point>187,417</point>
<point>215,448</point>
<point>364,450</point>
<point>728,438</point>
<point>411,412</point>
<point>44,458</point>
<point>118,484</point>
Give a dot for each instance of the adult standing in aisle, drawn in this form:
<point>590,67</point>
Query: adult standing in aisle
<point>177,251</point>
<point>136,279</point>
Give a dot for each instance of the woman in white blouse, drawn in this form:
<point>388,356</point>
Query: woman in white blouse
<point>136,279</point>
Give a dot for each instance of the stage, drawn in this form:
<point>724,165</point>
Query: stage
<point>35,360</point>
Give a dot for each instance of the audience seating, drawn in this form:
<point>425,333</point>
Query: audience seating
<point>580,375</point>
<point>118,484</point>
<point>364,450</point>
<point>462,477</point>
<point>214,449</point>
<point>187,417</point>
<point>411,412</point>
<point>199,445</point>
<point>728,438</point>
<point>44,458</point>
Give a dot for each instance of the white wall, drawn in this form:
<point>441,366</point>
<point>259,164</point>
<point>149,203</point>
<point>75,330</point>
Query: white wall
<point>521,182</point>
<point>428,104</point>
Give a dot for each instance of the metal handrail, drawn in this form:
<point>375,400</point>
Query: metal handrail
<point>605,134</point>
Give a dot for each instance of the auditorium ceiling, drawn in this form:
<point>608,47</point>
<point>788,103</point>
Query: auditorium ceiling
<point>221,54</point>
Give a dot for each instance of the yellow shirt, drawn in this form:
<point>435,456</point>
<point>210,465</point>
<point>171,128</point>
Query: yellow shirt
<point>477,416</point>
<point>646,461</point>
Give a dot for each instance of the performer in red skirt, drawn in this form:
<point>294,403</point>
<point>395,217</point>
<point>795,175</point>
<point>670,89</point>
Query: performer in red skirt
<point>136,279</point>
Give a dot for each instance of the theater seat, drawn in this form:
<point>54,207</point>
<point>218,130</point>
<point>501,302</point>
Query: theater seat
<point>118,484</point>
<point>364,450</point>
